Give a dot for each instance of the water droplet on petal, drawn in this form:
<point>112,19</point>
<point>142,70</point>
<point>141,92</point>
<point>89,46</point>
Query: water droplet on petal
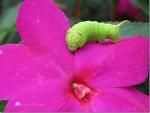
<point>37,20</point>
<point>17,103</point>
<point>1,52</point>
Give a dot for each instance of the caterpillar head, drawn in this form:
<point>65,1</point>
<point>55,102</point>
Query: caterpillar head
<point>75,39</point>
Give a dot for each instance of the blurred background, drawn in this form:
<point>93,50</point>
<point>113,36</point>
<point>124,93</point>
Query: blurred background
<point>81,10</point>
<point>137,11</point>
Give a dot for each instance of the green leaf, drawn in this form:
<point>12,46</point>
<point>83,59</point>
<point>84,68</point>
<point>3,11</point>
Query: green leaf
<point>8,21</point>
<point>133,29</point>
<point>143,4</point>
<point>2,105</point>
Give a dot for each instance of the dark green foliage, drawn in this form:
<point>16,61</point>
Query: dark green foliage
<point>8,24</point>
<point>144,87</point>
<point>2,105</point>
<point>134,28</point>
<point>143,4</point>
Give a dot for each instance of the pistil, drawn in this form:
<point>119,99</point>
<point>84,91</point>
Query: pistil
<point>80,90</point>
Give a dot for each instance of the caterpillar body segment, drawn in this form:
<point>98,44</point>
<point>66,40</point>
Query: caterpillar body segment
<point>91,31</point>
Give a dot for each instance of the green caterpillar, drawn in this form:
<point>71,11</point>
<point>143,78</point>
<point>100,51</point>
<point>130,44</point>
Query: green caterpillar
<point>91,31</point>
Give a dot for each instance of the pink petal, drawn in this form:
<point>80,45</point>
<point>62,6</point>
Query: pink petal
<point>46,96</point>
<point>43,26</point>
<point>115,65</point>
<point>72,105</point>
<point>120,99</point>
<point>21,68</point>
<point>50,95</point>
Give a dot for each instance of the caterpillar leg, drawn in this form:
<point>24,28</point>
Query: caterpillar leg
<point>101,39</point>
<point>115,38</point>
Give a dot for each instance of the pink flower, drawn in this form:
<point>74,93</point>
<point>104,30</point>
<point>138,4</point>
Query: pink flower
<point>127,9</point>
<point>42,75</point>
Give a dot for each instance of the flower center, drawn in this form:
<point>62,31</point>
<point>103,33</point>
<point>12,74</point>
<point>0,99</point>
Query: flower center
<point>80,90</point>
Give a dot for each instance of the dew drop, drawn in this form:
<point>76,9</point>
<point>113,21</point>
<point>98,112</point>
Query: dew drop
<point>1,52</point>
<point>17,103</point>
<point>37,20</point>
